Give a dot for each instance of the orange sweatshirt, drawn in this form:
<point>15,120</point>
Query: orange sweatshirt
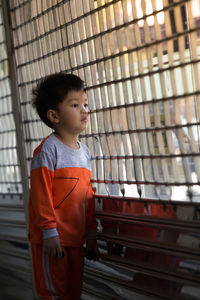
<point>61,201</point>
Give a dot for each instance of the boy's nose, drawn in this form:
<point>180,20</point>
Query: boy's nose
<point>85,109</point>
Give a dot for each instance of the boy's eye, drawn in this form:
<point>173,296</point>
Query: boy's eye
<point>86,105</point>
<point>75,105</point>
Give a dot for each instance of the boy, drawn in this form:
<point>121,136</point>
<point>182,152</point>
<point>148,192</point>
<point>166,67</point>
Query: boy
<point>61,204</point>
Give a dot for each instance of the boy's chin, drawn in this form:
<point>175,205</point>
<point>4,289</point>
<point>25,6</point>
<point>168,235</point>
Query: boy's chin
<point>84,125</point>
<point>76,129</point>
<point>82,128</point>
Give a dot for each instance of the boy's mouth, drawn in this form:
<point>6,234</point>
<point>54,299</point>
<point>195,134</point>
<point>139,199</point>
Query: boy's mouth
<point>84,119</point>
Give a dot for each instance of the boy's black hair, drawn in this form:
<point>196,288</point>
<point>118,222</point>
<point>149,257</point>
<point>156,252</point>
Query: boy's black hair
<point>52,90</point>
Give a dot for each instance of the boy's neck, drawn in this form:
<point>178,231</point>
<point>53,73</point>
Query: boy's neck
<point>68,139</point>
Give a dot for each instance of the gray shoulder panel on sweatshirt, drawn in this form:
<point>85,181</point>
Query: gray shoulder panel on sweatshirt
<point>43,159</point>
<point>56,155</point>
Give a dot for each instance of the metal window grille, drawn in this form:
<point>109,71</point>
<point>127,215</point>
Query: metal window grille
<point>15,266</point>
<point>140,60</point>
<point>10,177</point>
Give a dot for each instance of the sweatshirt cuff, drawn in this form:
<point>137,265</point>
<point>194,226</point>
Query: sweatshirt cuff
<point>49,233</point>
<point>91,234</point>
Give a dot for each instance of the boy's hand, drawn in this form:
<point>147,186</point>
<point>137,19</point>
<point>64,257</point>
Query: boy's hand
<point>92,251</point>
<point>52,247</point>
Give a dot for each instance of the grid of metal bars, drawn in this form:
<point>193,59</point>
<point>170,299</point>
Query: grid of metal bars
<point>10,178</point>
<point>141,62</point>
<point>15,265</point>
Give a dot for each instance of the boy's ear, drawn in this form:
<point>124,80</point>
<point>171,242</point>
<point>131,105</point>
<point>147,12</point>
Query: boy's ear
<point>52,115</point>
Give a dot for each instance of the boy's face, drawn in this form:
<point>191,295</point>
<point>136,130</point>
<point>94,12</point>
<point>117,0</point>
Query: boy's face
<point>72,113</point>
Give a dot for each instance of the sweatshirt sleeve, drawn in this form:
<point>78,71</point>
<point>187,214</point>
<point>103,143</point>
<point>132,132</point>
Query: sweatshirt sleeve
<point>91,223</point>
<point>42,173</point>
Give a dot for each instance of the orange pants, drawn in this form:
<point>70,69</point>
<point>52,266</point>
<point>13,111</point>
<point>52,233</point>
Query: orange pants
<point>58,278</point>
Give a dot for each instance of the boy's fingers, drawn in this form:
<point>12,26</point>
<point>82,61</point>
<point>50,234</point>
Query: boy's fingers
<point>46,250</point>
<point>59,252</point>
<point>52,252</point>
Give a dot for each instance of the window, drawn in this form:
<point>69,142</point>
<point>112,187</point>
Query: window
<point>10,178</point>
<point>140,60</point>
